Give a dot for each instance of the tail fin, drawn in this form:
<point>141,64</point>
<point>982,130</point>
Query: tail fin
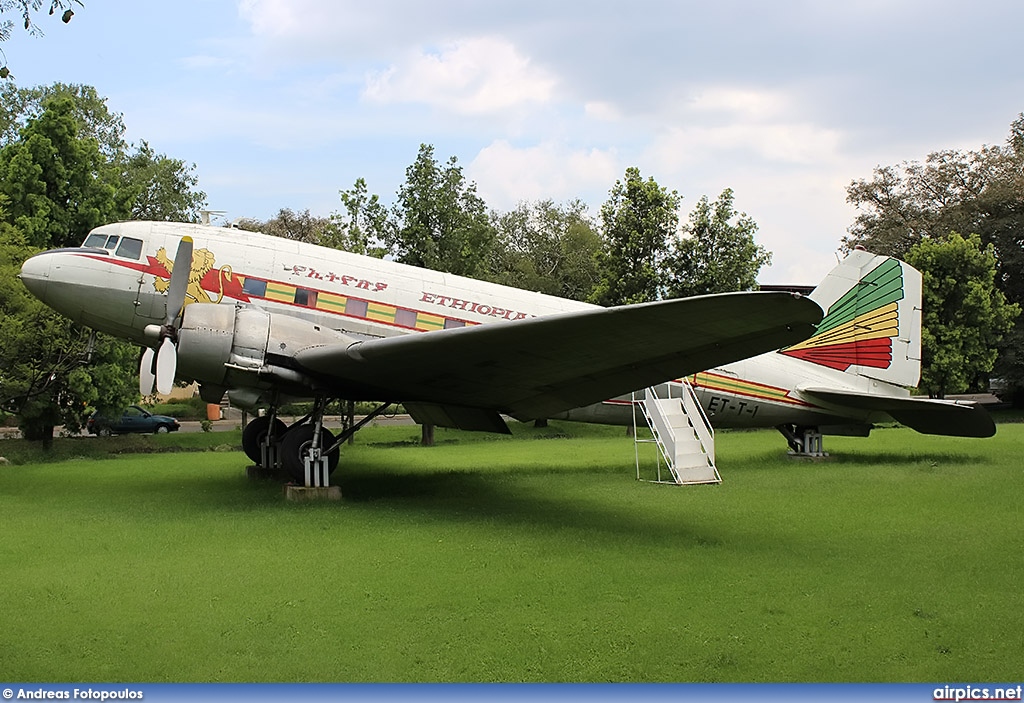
<point>872,324</point>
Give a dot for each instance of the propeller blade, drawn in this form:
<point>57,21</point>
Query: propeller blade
<point>179,280</point>
<point>146,376</point>
<point>166,365</point>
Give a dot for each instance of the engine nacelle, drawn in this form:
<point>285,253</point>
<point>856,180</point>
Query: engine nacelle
<point>232,345</point>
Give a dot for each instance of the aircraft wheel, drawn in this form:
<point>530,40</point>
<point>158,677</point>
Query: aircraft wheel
<point>255,431</point>
<point>294,446</point>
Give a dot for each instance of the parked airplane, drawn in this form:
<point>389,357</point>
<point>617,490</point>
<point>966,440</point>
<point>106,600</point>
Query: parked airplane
<point>279,319</point>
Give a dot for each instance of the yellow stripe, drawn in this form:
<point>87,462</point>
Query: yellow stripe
<point>717,383</point>
<point>877,324</point>
<point>381,313</point>
<point>331,302</point>
<point>428,322</point>
<point>280,293</point>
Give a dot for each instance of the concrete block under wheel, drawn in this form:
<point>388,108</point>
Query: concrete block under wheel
<point>301,494</point>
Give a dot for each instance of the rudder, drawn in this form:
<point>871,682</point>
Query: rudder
<point>872,324</point>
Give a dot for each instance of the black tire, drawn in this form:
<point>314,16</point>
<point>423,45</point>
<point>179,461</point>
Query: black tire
<point>294,446</point>
<point>104,432</point>
<point>255,431</point>
<point>162,429</point>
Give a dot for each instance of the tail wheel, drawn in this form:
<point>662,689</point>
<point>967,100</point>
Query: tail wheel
<point>296,444</point>
<point>254,434</point>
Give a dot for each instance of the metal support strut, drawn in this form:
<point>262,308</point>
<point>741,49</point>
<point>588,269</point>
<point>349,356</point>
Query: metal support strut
<point>314,459</point>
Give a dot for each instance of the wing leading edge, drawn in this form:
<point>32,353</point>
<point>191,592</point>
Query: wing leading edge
<point>540,366</point>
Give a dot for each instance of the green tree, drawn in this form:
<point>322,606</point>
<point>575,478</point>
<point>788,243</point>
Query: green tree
<point>50,375</point>
<point>58,185</point>
<point>717,252</point>
<point>965,314</point>
<point>19,106</point>
<point>298,226</point>
<point>440,222</point>
<point>638,220</point>
<point>149,185</point>
<point>364,226</point>
<point>159,187</point>
<point>548,248</point>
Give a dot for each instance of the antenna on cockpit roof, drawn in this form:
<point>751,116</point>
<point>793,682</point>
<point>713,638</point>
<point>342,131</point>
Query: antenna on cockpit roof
<point>204,215</point>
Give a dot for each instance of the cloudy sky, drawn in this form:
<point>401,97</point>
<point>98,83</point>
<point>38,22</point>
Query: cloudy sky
<point>282,103</point>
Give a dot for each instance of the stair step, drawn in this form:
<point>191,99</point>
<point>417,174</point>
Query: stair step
<point>681,430</point>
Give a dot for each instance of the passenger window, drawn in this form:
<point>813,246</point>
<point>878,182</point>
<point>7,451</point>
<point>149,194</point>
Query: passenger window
<point>130,248</point>
<point>305,297</point>
<point>405,318</point>
<point>254,286</point>
<point>95,241</point>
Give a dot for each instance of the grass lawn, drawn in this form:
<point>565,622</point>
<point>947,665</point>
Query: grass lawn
<point>494,559</point>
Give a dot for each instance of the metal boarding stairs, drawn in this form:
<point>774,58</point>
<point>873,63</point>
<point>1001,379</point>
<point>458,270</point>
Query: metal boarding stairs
<point>685,438</point>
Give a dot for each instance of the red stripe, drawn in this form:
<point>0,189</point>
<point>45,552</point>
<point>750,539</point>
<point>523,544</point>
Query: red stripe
<point>876,353</point>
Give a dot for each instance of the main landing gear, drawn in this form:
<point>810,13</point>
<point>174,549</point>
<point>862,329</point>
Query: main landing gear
<point>803,441</point>
<point>306,451</point>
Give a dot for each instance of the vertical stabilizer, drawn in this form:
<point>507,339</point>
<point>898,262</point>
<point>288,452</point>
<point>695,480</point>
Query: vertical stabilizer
<point>872,324</point>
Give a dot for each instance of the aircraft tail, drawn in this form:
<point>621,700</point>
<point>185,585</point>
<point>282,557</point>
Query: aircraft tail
<point>872,324</point>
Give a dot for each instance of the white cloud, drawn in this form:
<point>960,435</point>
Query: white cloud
<point>506,175</point>
<point>747,104</point>
<point>602,111</point>
<point>472,76</point>
<point>782,143</point>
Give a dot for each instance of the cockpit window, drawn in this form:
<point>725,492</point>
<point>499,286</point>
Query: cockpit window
<point>130,248</point>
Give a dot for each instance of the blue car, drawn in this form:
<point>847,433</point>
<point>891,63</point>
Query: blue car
<point>133,419</point>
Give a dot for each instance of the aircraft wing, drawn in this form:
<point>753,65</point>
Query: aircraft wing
<point>537,367</point>
<point>928,416</point>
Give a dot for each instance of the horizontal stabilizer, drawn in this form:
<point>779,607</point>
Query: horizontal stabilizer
<point>928,416</point>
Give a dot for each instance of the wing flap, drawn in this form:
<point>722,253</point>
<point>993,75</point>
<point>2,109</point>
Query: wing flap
<point>461,418</point>
<point>540,366</point>
<point>928,416</point>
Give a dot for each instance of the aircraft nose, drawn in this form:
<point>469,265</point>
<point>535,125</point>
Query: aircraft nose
<point>35,274</point>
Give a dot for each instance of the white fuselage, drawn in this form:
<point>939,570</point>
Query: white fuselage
<point>118,286</point>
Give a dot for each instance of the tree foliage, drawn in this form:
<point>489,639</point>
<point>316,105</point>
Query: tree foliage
<point>717,252</point>
<point>288,224</point>
<point>44,378</point>
<point>547,247</point>
<point>158,187</point>
<point>364,225</point>
<point>57,184</point>
<point>638,220</point>
<point>439,221</point>
<point>19,106</point>
<point>965,314</point>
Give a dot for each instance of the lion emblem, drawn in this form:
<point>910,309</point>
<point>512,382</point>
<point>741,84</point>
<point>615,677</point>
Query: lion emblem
<point>202,264</point>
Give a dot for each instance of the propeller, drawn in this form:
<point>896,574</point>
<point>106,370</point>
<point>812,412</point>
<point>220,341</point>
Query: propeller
<point>146,376</point>
<point>160,366</point>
